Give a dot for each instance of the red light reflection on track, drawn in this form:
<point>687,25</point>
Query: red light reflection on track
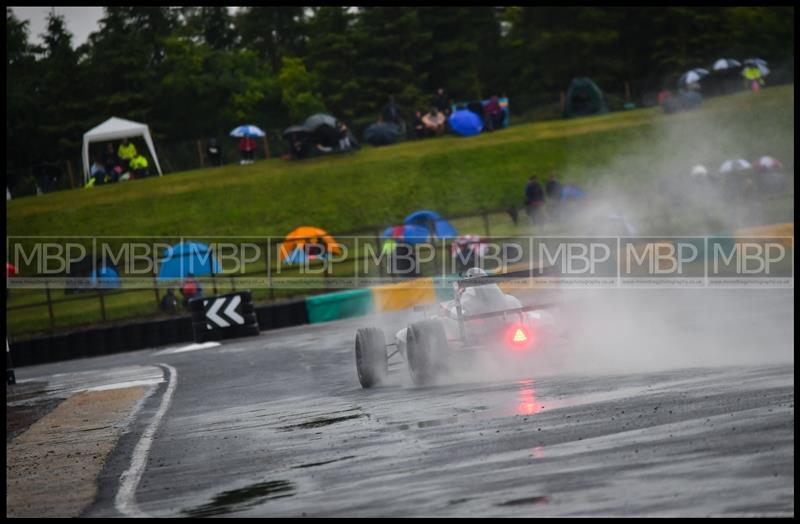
<point>526,399</point>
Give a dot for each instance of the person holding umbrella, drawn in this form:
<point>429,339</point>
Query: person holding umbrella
<point>247,145</point>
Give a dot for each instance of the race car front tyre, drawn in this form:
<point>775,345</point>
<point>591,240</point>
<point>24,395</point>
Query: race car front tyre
<point>426,349</point>
<point>372,362</point>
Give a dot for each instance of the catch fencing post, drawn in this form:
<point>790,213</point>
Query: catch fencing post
<point>266,147</point>
<point>155,289</point>
<point>200,154</point>
<point>49,304</point>
<point>102,305</point>
<point>378,247</point>
<point>269,270</point>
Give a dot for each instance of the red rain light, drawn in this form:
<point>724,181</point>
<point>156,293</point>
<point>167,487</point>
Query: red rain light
<point>519,336</point>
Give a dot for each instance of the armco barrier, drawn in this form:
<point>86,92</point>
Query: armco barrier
<point>342,304</point>
<point>138,335</point>
<point>283,314</point>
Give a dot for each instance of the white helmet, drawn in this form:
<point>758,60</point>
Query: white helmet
<point>474,272</point>
<point>699,171</point>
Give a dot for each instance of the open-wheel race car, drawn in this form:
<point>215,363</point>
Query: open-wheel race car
<point>480,318</point>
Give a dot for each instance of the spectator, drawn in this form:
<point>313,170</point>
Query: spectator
<point>434,121</point>
<point>299,145</point>
<point>139,166</point>
<point>247,147</point>
<point>125,153</point>
<point>213,154</point>
<point>663,96</point>
<point>98,172</point>
<point>441,102</point>
<point>391,112</point>
<point>344,137</point>
<point>190,289</point>
<point>111,159</point>
<point>493,114</point>
<point>169,302</point>
<point>553,188</point>
<point>534,200</point>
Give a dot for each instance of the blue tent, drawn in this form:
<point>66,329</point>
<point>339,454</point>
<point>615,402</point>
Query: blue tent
<point>407,233</point>
<point>187,257</point>
<point>424,217</point>
<point>466,123</point>
<point>105,277</point>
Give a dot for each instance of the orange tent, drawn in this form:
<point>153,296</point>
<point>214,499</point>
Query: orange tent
<point>307,235</point>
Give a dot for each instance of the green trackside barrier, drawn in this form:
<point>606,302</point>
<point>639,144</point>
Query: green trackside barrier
<point>444,286</point>
<point>338,305</point>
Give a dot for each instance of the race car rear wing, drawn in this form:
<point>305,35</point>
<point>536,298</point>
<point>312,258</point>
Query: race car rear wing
<point>501,277</point>
<point>503,312</point>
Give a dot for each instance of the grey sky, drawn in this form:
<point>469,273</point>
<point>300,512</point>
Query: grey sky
<point>80,21</point>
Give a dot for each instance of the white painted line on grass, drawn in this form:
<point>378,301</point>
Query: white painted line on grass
<point>125,501</point>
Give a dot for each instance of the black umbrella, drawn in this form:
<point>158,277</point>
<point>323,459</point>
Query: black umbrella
<point>382,134</point>
<point>319,119</point>
<point>295,129</point>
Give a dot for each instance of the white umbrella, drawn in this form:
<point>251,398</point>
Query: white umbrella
<point>767,163</point>
<point>732,166</point>
<point>692,76</point>
<point>247,130</point>
<point>725,63</point>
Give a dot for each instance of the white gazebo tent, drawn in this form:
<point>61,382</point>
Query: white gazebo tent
<point>116,129</point>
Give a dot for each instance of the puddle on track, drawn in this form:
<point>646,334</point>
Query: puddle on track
<point>319,422</point>
<point>322,463</point>
<point>243,498</point>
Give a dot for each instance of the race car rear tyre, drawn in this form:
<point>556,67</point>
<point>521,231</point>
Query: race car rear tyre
<point>372,362</point>
<point>426,349</point>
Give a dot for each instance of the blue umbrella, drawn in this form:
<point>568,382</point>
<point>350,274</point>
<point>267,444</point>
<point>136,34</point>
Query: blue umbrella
<point>466,123</point>
<point>187,257</point>
<point>408,233</point>
<point>247,130</point>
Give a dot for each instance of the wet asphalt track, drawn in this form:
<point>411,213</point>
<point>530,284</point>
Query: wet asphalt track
<point>277,425</point>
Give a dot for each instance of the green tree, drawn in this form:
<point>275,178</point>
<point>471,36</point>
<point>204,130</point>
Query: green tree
<point>332,57</point>
<point>392,50</point>
<point>273,32</point>
<point>298,88</point>
<point>62,116</point>
<point>21,101</point>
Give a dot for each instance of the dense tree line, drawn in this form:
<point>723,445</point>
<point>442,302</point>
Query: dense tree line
<point>190,72</point>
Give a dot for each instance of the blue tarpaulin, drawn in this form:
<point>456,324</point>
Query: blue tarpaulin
<point>187,257</point>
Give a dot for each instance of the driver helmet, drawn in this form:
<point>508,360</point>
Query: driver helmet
<point>475,272</point>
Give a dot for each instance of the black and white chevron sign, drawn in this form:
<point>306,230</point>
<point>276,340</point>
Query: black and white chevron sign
<point>222,312</point>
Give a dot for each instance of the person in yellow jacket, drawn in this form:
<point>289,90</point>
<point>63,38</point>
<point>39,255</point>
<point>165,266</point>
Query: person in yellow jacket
<point>126,152</point>
<point>139,166</point>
